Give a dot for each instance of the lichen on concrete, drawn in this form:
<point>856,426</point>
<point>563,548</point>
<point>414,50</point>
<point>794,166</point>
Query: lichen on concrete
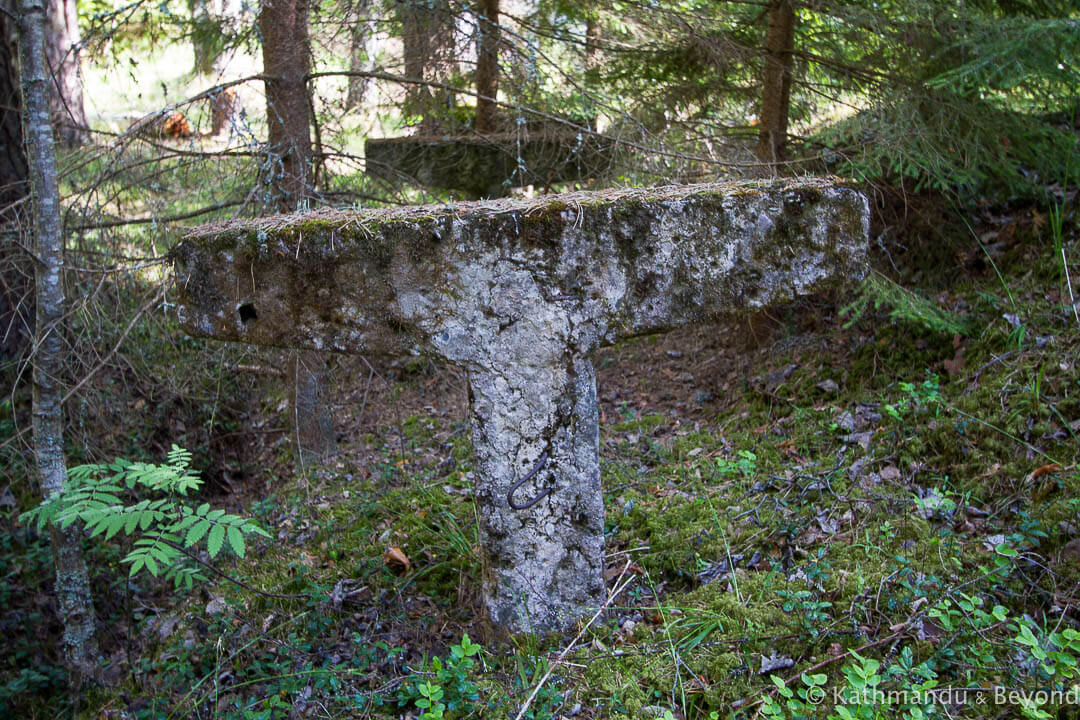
<point>519,294</point>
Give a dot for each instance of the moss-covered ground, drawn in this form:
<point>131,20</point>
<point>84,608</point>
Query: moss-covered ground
<point>784,495</point>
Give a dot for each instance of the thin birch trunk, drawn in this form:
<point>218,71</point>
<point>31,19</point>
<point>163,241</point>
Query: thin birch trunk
<point>72,583</point>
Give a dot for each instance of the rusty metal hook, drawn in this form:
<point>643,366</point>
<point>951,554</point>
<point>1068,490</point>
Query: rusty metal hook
<point>529,476</point>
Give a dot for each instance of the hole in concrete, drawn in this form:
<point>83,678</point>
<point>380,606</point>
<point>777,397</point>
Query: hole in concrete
<point>247,313</point>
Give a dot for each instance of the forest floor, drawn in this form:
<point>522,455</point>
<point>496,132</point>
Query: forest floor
<point>854,503</point>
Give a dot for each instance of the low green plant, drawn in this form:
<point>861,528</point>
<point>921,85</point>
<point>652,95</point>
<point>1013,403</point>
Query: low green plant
<point>744,464</point>
<point>447,691</point>
<point>918,398</point>
<point>912,690</point>
<point>166,528</point>
<point>530,668</point>
<point>812,612</point>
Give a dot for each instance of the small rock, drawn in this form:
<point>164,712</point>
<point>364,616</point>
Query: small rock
<point>861,439</point>
<point>773,379</point>
<point>828,386</point>
<point>168,625</point>
<point>846,421</point>
<point>1071,552</point>
<point>889,472</point>
<point>775,662</point>
<point>674,354</point>
<point>828,526</point>
<point>865,416</point>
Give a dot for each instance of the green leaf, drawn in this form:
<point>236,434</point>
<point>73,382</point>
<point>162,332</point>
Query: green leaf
<point>1003,549</point>
<point>251,527</point>
<point>147,518</point>
<point>216,540</point>
<point>131,522</point>
<point>114,525</point>
<point>185,523</point>
<point>236,541</point>
<point>196,533</point>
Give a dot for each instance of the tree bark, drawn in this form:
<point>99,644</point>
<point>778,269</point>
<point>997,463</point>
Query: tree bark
<point>776,93</point>
<point>62,51</point>
<point>286,60</point>
<point>205,37</point>
<point>592,59</point>
<point>16,275</point>
<point>360,52</point>
<point>487,65</point>
<point>14,187</point>
<point>224,111</point>
<point>309,403</point>
<point>72,582</point>
<point>427,38</point>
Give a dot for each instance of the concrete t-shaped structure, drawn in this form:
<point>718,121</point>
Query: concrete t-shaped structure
<point>519,294</point>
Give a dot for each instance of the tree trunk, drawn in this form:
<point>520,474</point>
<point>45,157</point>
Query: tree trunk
<point>415,37</point>
<point>214,24</point>
<point>592,61</point>
<point>309,404</point>
<point>286,59</point>
<point>427,38</point>
<point>62,51</point>
<point>72,583</point>
<point>16,275</point>
<point>487,65</point>
<point>776,94</point>
<point>360,53</point>
<point>205,37</point>
<point>224,111</point>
